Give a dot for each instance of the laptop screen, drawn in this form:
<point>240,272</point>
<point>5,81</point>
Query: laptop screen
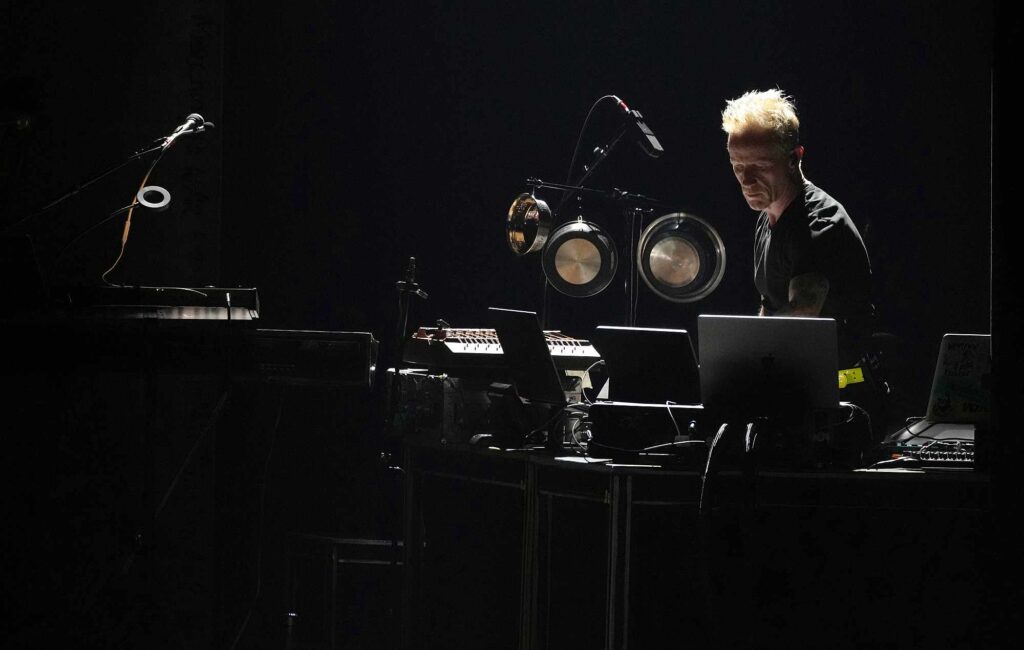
<point>648,365</point>
<point>961,387</point>
<point>753,365</point>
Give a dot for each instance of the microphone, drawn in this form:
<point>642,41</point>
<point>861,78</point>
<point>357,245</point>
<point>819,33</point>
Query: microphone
<point>191,122</point>
<point>643,134</point>
<point>194,123</point>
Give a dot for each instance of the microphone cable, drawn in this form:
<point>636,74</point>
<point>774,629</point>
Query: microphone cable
<point>128,220</point>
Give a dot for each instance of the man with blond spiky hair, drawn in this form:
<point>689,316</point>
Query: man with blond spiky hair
<point>809,258</point>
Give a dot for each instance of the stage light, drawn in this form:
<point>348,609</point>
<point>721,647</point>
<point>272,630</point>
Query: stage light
<point>681,257</point>
<point>579,259</point>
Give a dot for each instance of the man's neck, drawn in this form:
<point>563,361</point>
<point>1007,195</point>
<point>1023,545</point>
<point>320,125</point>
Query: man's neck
<point>793,189</point>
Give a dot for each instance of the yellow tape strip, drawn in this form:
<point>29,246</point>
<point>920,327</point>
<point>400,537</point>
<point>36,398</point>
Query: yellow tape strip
<point>850,376</point>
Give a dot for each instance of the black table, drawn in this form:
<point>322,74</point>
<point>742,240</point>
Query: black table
<point>521,549</point>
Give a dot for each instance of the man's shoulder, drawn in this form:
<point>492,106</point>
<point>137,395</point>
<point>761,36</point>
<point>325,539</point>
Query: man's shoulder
<point>819,202</point>
<point>823,211</point>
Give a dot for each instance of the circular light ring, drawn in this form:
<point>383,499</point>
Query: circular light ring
<point>579,259</point>
<point>529,220</point>
<point>681,257</point>
<point>144,194</point>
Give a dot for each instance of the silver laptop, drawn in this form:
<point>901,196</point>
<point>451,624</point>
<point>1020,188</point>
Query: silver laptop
<point>753,365</point>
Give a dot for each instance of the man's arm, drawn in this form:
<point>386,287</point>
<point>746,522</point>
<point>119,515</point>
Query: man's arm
<point>807,295</point>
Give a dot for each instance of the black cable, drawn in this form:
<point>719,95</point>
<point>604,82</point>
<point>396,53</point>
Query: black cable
<point>903,461</point>
<point>958,443</point>
<point>460,414</point>
<point>854,409</point>
<point>188,457</point>
<point>676,443</point>
<point>543,316</point>
<point>675,425</point>
<point>663,445</point>
<point>79,187</point>
<point>750,464</point>
<point>703,533</point>
<point>185,463</point>
<point>127,563</point>
<point>575,154</point>
<point>918,434</point>
<point>583,129</point>
<point>576,441</point>
<point>259,530</point>
<point>750,439</point>
<point>558,413</point>
<point>583,391</point>
<point>390,524</point>
<point>934,439</point>
<point>634,272</point>
<point>914,419</point>
<point>78,237</point>
<point>124,241</point>
<point>627,277</point>
<point>660,445</point>
<point>707,467</point>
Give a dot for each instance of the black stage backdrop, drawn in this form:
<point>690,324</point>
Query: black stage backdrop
<point>351,137</point>
<point>355,138</point>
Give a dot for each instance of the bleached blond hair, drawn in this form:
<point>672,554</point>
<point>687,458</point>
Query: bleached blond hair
<point>769,110</point>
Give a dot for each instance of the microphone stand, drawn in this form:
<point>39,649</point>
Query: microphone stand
<point>141,153</point>
<point>406,289</point>
<point>537,183</point>
<point>159,145</point>
<point>602,153</point>
<point>632,206</point>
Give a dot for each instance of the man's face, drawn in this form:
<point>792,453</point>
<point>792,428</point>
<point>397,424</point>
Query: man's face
<point>766,176</point>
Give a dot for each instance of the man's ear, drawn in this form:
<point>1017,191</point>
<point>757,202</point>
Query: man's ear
<point>796,156</point>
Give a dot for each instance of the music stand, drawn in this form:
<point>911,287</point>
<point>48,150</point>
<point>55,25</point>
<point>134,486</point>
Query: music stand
<point>537,397</point>
<point>527,356</point>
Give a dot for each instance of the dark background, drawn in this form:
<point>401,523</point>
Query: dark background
<point>350,138</point>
